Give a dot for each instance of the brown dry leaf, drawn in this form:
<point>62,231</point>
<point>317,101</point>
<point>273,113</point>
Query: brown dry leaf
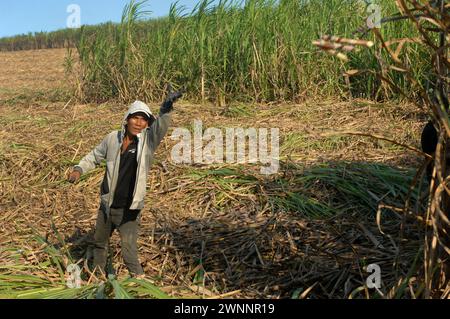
<point>307,291</point>
<point>396,68</point>
<point>351,72</point>
<point>433,21</point>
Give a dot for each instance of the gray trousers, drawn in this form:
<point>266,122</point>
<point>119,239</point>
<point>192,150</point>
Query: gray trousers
<point>127,223</point>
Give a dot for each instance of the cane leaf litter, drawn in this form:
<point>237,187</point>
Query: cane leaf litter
<point>336,204</point>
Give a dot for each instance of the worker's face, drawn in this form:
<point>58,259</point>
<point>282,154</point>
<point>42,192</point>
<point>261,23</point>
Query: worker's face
<point>136,123</point>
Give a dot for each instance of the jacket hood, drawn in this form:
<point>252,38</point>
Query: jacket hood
<point>135,107</point>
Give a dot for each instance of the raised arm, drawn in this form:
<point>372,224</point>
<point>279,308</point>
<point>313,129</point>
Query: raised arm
<point>159,128</point>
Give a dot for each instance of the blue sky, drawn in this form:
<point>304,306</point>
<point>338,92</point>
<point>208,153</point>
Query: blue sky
<point>23,16</point>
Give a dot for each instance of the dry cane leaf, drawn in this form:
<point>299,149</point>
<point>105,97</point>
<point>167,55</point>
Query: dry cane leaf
<point>352,72</point>
<point>396,68</point>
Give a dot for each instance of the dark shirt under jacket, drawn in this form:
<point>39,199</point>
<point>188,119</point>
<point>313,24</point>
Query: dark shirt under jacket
<point>123,195</point>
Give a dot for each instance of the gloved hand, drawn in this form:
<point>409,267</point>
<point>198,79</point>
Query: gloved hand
<point>167,105</point>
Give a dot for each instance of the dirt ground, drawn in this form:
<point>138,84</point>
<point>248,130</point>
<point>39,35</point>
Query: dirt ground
<point>40,140</point>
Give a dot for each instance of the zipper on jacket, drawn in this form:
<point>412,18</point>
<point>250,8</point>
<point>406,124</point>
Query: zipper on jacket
<point>139,166</point>
<point>111,192</point>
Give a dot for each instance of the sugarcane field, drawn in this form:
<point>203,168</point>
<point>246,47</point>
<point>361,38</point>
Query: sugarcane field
<point>257,149</point>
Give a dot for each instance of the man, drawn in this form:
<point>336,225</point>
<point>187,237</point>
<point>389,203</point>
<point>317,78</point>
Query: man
<point>430,137</point>
<point>128,154</point>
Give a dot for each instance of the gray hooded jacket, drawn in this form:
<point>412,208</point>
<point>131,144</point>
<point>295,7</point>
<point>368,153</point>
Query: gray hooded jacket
<point>109,150</point>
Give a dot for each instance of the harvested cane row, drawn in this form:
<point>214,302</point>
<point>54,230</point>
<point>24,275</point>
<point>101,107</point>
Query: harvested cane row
<point>219,230</point>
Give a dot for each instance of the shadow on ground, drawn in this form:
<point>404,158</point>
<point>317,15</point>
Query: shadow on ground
<point>311,231</point>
